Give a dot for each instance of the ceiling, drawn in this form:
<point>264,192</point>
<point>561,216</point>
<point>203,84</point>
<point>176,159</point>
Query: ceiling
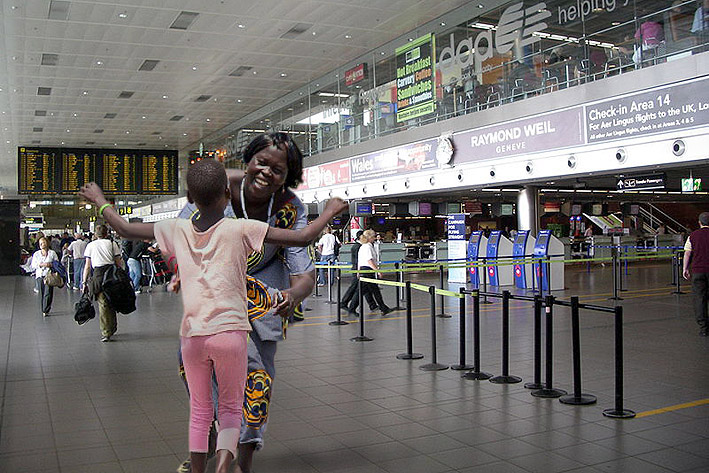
<point>73,73</point>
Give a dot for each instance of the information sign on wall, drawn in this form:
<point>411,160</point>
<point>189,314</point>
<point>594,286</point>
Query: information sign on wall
<point>457,246</point>
<point>415,72</point>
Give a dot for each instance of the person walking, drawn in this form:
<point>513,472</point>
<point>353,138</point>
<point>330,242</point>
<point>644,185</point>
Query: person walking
<point>76,249</point>
<point>696,265</point>
<point>42,264</point>
<point>367,260</point>
<point>326,248</point>
<point>100,254</point>
<point>352,291</point>
<point>137,249</point>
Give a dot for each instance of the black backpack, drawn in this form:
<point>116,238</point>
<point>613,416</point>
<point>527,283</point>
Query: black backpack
<point>117,288</point>
<point>84,310</point>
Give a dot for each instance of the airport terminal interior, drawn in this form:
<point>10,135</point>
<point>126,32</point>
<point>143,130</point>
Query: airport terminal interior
<point>528,175</point>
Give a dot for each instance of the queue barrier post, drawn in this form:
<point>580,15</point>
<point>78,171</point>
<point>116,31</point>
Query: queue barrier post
<point>461,360</point>
<point>443,302</point>
<point>484,268</point>
<point>329,285</point>
<point>577,398</point>
<point>398,288</point>
<point>537,383</point>
<point>361,337</point>
<point>434,365</point>
<point>476,374</point>
<point>678,278</point>
<point>616,270</point>
<point>505,377</point>
<point>409,355</point>
<point>549,391</point>
<point>618,412</point>
<point>339,320</point>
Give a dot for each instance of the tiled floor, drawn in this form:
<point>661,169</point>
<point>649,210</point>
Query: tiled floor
<point>73,404</point>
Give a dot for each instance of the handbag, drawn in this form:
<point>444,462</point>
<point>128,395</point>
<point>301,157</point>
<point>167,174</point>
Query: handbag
<point>53,279</point>
<point>84,310</point>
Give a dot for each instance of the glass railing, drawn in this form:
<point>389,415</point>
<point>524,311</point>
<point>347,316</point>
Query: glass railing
<point>552,63</point>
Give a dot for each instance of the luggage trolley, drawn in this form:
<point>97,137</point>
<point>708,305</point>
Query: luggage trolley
<point>155,270</point>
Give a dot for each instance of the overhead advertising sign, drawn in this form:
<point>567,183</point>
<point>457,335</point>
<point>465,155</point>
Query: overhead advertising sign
<point>415,73</point>
<point>356,74</point>
<point>528,135</point>
<point>652,181</point>
<point>403,159</point>
<point>328,174</point>
<point>669,108</point>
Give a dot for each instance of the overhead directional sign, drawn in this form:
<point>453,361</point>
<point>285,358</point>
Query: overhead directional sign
<point>652,181</point>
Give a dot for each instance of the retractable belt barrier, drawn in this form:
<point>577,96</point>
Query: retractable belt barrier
<point>545,390</point>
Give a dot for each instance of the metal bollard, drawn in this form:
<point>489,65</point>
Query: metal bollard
<point>577,398</point>
<point>548,391</point>
<point>485,301</point>
<point>505,377</point>
<point>461,361</point>
<point>409,355</point>
<point>443,302</point>
<point>361,337</point>
<point>476,374</point>
<point>537,383</point>
<point>615,264</point>
<point>434,365</point>
<point>339,320</point>
<point>618,412</point>
<point>398,288</point>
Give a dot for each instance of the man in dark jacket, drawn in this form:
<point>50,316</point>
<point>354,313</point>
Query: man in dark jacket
<point>696,262</point>
<point>352,290</point>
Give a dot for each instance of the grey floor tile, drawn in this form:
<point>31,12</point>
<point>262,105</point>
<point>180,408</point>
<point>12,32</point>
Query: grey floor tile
<point>464,457</point>
<point>414,464</point>
<point>675,460</point>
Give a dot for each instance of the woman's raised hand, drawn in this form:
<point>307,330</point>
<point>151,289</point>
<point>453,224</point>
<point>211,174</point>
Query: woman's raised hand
<point>92,192</point>
<point>336,205</point>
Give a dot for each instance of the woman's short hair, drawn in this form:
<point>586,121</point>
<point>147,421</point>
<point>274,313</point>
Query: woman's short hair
<point>101,231</point>
<point>283,141</point>
<point>42,238</point>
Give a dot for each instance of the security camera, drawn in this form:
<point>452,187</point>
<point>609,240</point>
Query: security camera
<point>460,176</point>
<point>620,155</point>
<point>571,162</point>
<point>492,172</point>
<point>384,186</point>
<point>407,183</point>
<point>529,167</point>
<point>678,148</point>
<point>432,180</point>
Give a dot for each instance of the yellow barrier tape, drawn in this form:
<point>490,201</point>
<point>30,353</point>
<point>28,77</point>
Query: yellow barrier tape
<point>440,292</point>
<point>417,267</point>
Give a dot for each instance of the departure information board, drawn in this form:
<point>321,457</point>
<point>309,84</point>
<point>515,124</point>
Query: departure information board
<point>117,171</point>
<point>40,170</point>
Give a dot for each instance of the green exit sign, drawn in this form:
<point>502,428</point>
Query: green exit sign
<point>691,184</point>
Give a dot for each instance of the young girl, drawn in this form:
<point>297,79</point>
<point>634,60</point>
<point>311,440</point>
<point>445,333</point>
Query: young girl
<point>211,253</point>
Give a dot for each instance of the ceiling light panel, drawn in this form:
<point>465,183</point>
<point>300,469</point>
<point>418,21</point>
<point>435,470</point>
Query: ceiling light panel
<point>296,30</point>
<point>149,65</point>
<point>184,20</point>
<point>203,98</point>
<point>126,94</point>
<point>49,59</point>
<point>44,91</point>
<point>58,10</point>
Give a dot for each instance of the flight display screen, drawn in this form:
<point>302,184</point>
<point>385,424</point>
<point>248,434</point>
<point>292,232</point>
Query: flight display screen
<point>117,171</point>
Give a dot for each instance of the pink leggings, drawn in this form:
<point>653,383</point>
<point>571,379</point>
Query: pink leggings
<point>225,353</point>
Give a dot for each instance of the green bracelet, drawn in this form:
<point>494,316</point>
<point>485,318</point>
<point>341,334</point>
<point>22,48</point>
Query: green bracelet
<point>100,210</point>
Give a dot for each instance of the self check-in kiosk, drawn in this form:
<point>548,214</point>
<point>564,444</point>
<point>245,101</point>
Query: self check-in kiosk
<point>477,240</point>
<point>549,271</point>
<point>499,250</point>
<point>523,247</point>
